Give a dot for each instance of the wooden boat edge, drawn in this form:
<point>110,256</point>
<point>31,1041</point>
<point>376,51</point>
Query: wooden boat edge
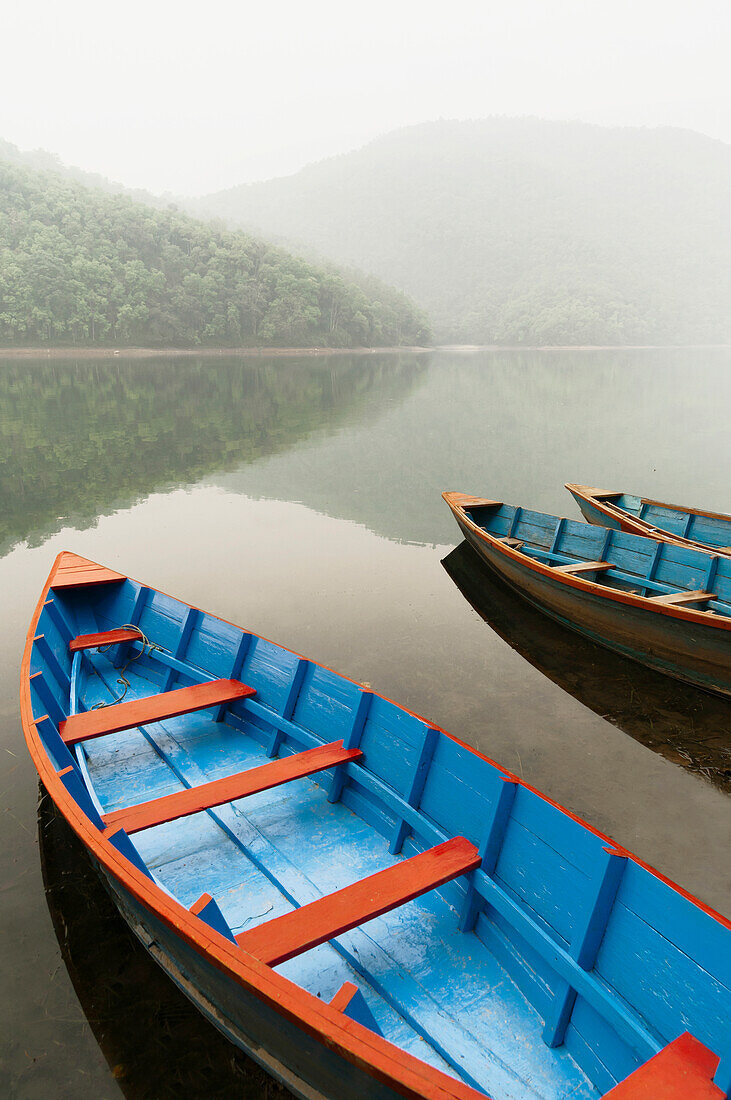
<point>458,502</point>
<point>595,497</point>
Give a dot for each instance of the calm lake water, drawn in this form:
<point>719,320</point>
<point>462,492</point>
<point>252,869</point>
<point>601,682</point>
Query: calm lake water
<point>301,498</point>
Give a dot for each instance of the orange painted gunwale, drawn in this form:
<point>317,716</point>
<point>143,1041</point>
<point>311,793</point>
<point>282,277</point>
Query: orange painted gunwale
<point>638,526</point>
<point>406,1075</point>
<point>458,502</point>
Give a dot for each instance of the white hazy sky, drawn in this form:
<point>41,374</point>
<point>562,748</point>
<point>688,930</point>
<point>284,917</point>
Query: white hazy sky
<point>195,97</point>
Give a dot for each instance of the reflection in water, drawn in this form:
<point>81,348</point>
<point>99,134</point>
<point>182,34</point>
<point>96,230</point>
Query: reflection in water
<point>80,439</point>
<point>684,724</point>
<point>518,425</point>
<point>156,1042</point>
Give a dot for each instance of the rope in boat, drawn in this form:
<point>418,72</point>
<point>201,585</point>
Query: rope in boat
<point>147,650</point>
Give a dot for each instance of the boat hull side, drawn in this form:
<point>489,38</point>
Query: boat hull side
<point>306,1067</point>
<point>676,647</point>
<point>604,519</point>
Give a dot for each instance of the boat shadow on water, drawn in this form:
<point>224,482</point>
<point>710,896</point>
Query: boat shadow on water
<point>684,724</point>
<point>157,1045</point>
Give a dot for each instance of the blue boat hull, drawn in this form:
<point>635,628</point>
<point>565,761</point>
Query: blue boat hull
<point>688,651</point>
<point>592,514</point>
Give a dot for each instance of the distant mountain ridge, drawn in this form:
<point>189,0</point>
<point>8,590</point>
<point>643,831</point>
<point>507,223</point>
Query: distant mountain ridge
<point>80,265</point>
<point>521,231</point>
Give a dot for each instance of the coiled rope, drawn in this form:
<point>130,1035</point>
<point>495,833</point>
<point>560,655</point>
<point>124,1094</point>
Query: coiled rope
<point>147,650</point>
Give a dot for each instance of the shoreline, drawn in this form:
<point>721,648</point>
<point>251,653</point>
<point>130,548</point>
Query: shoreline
<point>282,353</point>
<point>211,353</point>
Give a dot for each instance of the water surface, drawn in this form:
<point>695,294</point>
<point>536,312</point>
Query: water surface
<point>301,498</point>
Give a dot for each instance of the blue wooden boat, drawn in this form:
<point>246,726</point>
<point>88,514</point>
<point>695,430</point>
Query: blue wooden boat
<point>365,905</point>
<point>654,519</point>
<point>667,606</point>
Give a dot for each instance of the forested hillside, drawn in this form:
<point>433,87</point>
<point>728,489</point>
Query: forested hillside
<point>522,231</point>
<point>80,266</point>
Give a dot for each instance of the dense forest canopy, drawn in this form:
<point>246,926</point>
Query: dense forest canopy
<point>522,231</point>
<point>80,266</point>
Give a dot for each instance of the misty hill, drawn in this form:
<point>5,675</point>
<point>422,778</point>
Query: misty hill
<point>515,231</point>
<point>45,161</point>
<point>80,266</point>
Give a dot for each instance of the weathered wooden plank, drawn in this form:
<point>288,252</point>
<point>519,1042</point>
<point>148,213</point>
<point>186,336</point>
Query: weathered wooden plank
<point>47,698</point>
<point>350,1001</point>
<point>416,786</point>
<point>489,849</point>
<point>236,666</point>
<point>140,603</point>
<point>280,939</point>
<point>584,945</point>
<point>683,1070</point>
<point>73,571</point>
<point>59,619</point>
<point>51,661</point>
<point>103,638</point>
<point>140,712</point>
<point>125,847</point>
<point>557,533</point>
<point>699,596</point>
<point>583,567</point>
<point>514,522</point>
<point>289,704</point>
<point>190,621</point>
<point>351,741</point>
<point>231,787</point>
<point>207,909</point>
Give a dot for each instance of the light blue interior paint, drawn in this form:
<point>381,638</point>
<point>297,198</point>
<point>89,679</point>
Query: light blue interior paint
<point>646,964</point>
<point>711,530</point>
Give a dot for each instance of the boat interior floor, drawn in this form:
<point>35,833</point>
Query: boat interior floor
<point>434,991</point>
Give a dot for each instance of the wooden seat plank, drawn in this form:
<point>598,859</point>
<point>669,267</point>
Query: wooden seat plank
<point>141,712</point>
<point>106,637</point>
<point>583,567</point>
<point>683,1070</point>
<point>231,787</point>
<point>670,598</point>
<point>282,938</point>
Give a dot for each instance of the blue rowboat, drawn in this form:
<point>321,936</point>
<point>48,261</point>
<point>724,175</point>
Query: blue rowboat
<point>667,606</point>
<point>709,531</point>
<point>362,903</point>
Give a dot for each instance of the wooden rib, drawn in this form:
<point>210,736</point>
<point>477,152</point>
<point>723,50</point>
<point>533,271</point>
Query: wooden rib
<point>671,598</point>
<point>344,996</point>
<point>284,937</point>
<point>583,567</point>
<point>183,803</point>
<point>107,637</point>
<point>140,712</point>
